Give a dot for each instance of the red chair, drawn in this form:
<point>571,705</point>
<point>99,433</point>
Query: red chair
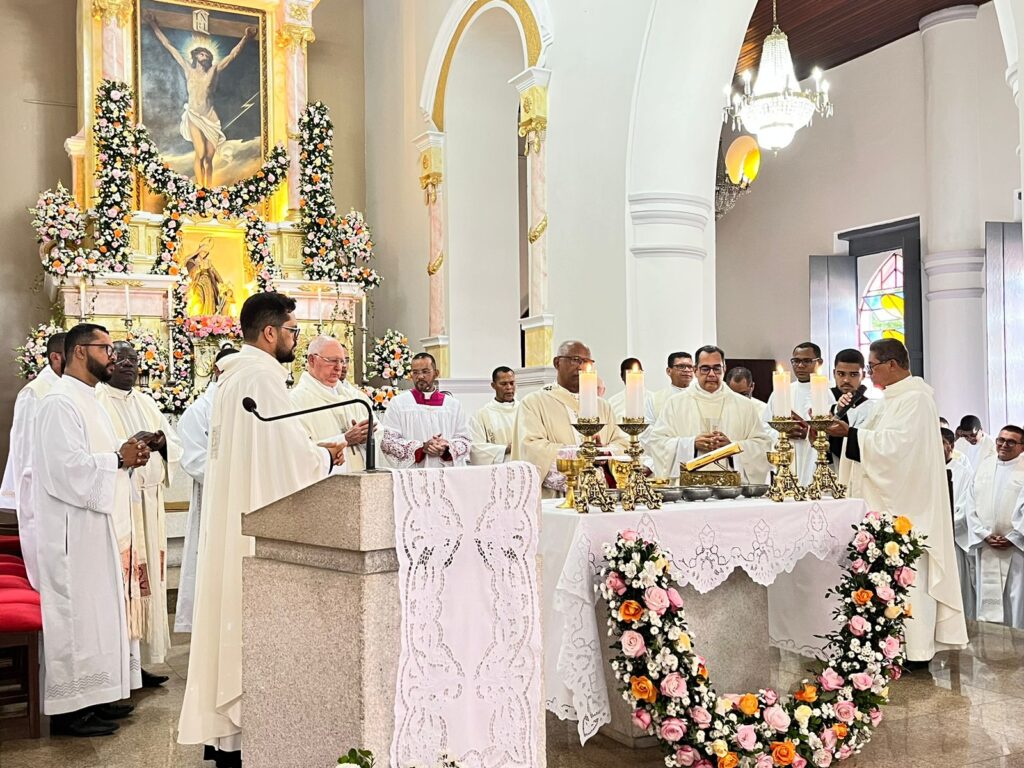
<point>29,596</point>
<point>10,569</point>
<point>10,545</point>
<point>14,582</point>
<point>20,626</point>
<point>5,558</point>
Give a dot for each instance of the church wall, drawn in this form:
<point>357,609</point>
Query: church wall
<point>865,165</point>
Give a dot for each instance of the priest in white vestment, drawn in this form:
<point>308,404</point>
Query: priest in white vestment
<point>618,400</point>
<point>895,463</point>
<point>251,464</point>
<point>680,376</point>
<point>973,443</point>
<point>16,493</point>
<point>79,485</point>
<point>961,497</point>
<point>424,428</point>
<point>545,419</point>
<point>708,416</point>
<point>995,540</point>
<point>493,426</point>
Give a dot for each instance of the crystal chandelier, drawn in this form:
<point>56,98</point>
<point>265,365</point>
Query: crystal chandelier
<point>775,108</point>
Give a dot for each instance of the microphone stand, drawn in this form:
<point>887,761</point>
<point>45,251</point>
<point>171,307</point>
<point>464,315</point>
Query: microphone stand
<point>249,405</point>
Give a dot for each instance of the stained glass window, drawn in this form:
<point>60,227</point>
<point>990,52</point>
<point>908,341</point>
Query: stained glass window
<point>881,314</point>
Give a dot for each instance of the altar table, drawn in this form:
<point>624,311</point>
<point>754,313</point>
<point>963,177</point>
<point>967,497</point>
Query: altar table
<point>708,541</point>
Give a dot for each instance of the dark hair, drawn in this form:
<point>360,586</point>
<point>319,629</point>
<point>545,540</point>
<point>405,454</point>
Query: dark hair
<point>1015,429</point>
<point>854,356</point>
<point>675,356</point>
<point>708,349</point>
<point>194,53</point>
<point>739,373</point>
<point>263,309</point>
<point>497,371</point>
<point>226,350</point>
<point>55,344</point>
<point>891,349</point>
<point>809,345</point>
<point>628,365</point>
<point>81,334</point>
<point>947,435</point>
<point>969,423</point>
<point>426,356</point>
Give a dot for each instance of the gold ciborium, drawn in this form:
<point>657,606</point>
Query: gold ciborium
<point>825,479</point>
<point>636,489</point>
<point>590,488</point>
<point>785,482</point>
<point>571,468</point>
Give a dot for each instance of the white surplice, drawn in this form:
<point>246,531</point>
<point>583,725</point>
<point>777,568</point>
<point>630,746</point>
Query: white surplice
<point>331,425</point>
<point>251,464</point>
<point>902,470</point>
<point>659,398</point>
<point>1000,572</point>
<point>493,429</point>
<point>76,490</point>
<point>408,424</point>
<point>688,414</point>
<point>975,454</point>
<point>16,493</point>
<point>804,454</point>
<point>963,509</point>
<point>194,433</point>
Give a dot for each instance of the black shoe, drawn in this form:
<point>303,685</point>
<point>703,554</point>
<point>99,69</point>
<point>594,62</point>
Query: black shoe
<point>916,666</point>
<point>153,681</point>
<point>114,710</point>
<point>222,759</point>
<point>81,724</point>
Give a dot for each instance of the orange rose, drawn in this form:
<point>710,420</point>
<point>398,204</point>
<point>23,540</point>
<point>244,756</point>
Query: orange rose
<point>630,610</point>
<point>908,612</point>
<point>863,596</point>
<point>902,525</point>
<point>840,729</point>
<point>728,760</point>
<point>748,704</point>
<point>643,689</point>
<point>783,752</point>
<point>809,693</point>
<point>702,670</point>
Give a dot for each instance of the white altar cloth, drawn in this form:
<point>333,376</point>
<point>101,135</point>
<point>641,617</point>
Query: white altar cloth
<point>708,540</point>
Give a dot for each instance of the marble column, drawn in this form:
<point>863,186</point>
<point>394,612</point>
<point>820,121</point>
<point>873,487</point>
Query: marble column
<point>954,256</point>
<point>431,148</point>
<point>294,34</point>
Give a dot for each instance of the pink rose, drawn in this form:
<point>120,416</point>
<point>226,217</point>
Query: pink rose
<point>764,760</point>
<point>633,644</point>
<point>862,541</point>
<point>777,718</point>
<point>798,762</point>
<point>656,600</point>
<point>628,535</point>
<point>703,764</point>
<point>770,696</point>
<point>844,752</point>
<point>746,737</point>
<point>846,711</point>
<point>862,681</point>
<point>905,576</point>
<point>641,719</point>
<point>822,758</point>
<point>700,716</point>
<point>895,672</point>
<point>885,593</point>
<point>672,729</point>
<point>615,583</point>
<point>828,738</point>
<point>831,680</point>
<point>674,599</point>
<point>859,566</point>
<point>686,756</point>
<point>890,647</point>
<point>859,625</point>
<point>876,717</point>
<point>874,514</point>
<point>673,685</point>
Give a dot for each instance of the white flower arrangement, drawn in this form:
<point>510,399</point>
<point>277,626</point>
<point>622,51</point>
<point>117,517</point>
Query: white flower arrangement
<point>31,357</point>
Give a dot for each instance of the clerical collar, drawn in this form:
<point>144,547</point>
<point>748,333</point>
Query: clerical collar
<point>118,394</point>
<point>500,404</point>
<point>431,398</point>
<point>1010,463</point>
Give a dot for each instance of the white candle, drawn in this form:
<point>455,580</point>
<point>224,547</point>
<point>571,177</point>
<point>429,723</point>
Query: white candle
<point>782,405</point>
<point>127,301</point>
<point>81,299</point>
<point>319,307</point>
<point>588,393</point>
<point>819,394</point>
<point>634,394</point>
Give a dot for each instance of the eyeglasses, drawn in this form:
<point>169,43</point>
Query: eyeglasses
<point>682,367</point>
<point>575,359</point>
<point>108,348</point>
<point>119,359</point>
<point>1004,441</point>
<point>706,369</point>
<point>294,330</point>
<point>870,368</point>
<point>795,361</point>
<point>335,361</point>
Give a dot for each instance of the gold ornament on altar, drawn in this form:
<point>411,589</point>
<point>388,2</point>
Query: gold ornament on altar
<point>636,489</point>
<point>591,488</point>
<point>785,484</point>
<point>571,468</point>
<point>825,479</point>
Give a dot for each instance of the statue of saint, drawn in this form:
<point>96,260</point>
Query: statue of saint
<point>205,289</point>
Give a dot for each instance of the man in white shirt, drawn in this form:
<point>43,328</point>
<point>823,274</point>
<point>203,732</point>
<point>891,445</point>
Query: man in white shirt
<point>961,499</point>
<point>493,426</point>
<point>423,427</point>
<point>972,441</point>
<point>680,375</point>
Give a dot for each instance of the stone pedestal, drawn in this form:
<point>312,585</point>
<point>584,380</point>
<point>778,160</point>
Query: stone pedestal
<point>321,624</point>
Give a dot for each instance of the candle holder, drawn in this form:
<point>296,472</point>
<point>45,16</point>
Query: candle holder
<point>637,488</point>
<point>571,469</point>
<point>785,482</point>
<point>825,479</point>
<point>128,323</point>
<point>591,488</point>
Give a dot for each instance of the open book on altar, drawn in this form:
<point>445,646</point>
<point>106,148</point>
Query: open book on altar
<point>709,458</point>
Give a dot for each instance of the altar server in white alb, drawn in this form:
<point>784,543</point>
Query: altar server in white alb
<point>194,433</point>
<point>894,461</point>
<point>997,531</point>
<point>79,483</point>
<point>493,427</point>
<point>423,427</point>
<point>973,443</point>
<point>251,464</point>
<point>16,493</point>
<point>680,375</point>
<point>961,498</point>
<point>324,383</point>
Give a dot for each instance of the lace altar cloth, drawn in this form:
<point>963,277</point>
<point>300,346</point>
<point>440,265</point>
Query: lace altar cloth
<point>708,540</point>
<point>469,673</point>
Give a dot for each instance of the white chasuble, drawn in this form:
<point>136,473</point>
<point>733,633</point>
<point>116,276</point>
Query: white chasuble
<point>76,491</point>
<point>662,396</point>
<point>16,493</point>
<point>493,430</point>
<point>251,464</point>
<point>413,418</point>
<point>977,453</point>
<point>132,412</point>
<point>997,489</point>
<point>805,456</point>
<point>695,411</point>
<point>194,433</point>
<point>902,471</point>
<point>963,511</point>
<point>325,425</point>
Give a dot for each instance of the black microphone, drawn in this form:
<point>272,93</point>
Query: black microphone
<point>249,405</point>
<point>858,398</point>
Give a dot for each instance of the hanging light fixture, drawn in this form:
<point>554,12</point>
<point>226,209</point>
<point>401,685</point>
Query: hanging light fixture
<point>775,108</point>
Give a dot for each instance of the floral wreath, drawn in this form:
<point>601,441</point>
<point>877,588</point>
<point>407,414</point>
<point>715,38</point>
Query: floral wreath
<point>830,717</point>
<point>391,360</point>
<point>31,356</point>
<point>60,230</point>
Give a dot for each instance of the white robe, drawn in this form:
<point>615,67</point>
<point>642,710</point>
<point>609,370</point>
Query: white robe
<point>17,487</point>
<point>76,489</point>
<point>963,509</point>
<point>330,426</point>
<point>685,415</point>
<point>407,425</point>
<point>251,464</point>
<point>659,398</point>
<point>1000,572</point>
<point>493,429</point>
<point>902,471</point>
<point>194,432</point>
<point>804,455</point>
<point>976,454</point>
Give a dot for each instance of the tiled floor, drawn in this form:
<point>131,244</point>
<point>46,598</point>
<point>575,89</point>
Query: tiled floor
<point>968,711</point>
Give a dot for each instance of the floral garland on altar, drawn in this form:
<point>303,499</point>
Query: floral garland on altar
<point>115,158</point>
<point>830,717</point>
<point>31,356</point>
<point>391,360</point>
<point>152,365</point>
<point>60,228</point>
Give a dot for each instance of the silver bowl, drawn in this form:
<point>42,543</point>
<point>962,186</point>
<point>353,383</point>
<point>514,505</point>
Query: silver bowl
<point>670,493</point>
<point>754,490</point>
<point>726,491</point>
<point>696,492</point>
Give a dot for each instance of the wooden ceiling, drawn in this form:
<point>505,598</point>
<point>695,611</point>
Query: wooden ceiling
<point>826,33</point>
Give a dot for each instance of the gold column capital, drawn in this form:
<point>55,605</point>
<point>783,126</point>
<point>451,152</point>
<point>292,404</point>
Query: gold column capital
<point>119,11</point>
<point>431,171</point>
<point>293,36</point>
<point>533,115</point>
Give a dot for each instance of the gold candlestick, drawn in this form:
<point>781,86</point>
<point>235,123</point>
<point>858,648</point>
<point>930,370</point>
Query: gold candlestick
<point>785,483</point>
<point>637,488</point>
<point>571,469</point>
<point>591,488</point>
<point>825,479</point>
